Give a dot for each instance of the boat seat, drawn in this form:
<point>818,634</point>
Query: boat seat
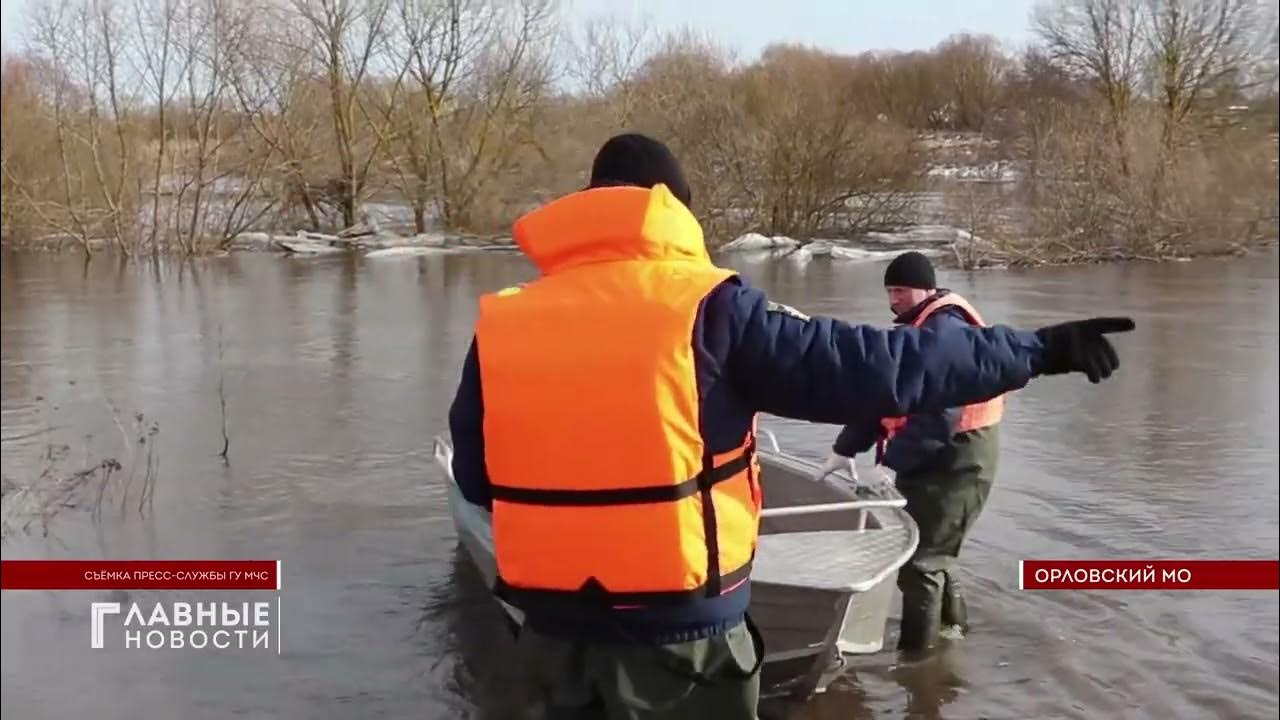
<point>837,560</point>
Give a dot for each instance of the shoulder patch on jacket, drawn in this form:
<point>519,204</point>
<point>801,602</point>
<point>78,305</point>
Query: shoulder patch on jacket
<point>786,310</point>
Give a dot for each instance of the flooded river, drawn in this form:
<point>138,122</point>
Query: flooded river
<point>337,373</point>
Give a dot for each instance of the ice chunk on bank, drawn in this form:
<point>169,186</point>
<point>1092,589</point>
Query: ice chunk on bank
<point>756,241</point>
<point>407,251</point>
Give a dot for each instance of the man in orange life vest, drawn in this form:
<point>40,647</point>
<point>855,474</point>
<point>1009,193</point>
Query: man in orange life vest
<point>606,415</point>
<point>943,462</point>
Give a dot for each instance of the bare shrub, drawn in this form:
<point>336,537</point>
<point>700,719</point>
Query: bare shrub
<point>1216,195</point>
<point>686,92</point>
<point>28,149</point>
<point>908,89</point>
<point>606,56</point>
<point>812,159</point>
<point>174,125</point>
<point>63,484</point>
<point>974,72</point>
<point>490,135</point>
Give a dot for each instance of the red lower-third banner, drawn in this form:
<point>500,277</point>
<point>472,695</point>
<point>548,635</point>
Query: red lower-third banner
<point>140,575</point>
<point>1149,575</point>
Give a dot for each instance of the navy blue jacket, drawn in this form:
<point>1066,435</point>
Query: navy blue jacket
<point>754,356</point>
<point>921,441</point>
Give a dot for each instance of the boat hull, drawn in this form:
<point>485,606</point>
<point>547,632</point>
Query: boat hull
<point>822,585</point>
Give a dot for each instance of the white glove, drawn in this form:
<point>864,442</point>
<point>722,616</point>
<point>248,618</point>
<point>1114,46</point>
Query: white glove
<point>836,462</point>
<point>884,478</point>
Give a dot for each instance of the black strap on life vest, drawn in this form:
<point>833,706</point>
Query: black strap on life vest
<point>593,591</point>
<point>710,530</point>
<point>706,479</point>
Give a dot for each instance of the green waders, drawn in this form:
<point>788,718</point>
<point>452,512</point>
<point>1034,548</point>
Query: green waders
<point>716,677</point>
<point>944,502</point>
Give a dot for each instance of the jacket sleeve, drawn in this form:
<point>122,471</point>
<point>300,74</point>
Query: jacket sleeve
<point>466,428</point>
<point>921,440</point>
<point>925,435</point>
<point>824,370</point>
<point>854,440</point>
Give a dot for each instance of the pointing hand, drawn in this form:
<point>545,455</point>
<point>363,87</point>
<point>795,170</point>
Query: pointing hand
<point>1082,346</point>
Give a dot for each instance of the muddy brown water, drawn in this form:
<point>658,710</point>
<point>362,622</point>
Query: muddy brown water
<point>338,371</point>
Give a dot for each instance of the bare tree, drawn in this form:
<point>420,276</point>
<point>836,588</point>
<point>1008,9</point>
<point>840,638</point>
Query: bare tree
<point>606,57</point>
<point>1100,41</point>
<point>822,162</point>
<point>975,73</point>
<point>173,125</point>
<point>685,92</point>
<point>178,61</point>
<point>157,47</point>
<point>273,79</point>
<point>81,42</point>
<point>908,88</point>
<point>479,71</point>
<point>28,157</point>
<point>348,37</point>
<point>439,45</point>
<point>1199,47</point>
<point>215,182</point>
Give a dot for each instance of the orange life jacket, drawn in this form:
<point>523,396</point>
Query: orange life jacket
<point>602,484</point>
<point>972,417</point>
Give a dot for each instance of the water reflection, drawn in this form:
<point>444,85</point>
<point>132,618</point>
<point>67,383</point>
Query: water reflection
<point>477,655</point>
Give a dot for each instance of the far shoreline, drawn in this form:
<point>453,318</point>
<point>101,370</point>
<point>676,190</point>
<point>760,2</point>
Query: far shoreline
<point>869,249</point>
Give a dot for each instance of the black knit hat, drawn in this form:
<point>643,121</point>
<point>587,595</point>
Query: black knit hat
<point>634,159</point>
<point>910,269</point>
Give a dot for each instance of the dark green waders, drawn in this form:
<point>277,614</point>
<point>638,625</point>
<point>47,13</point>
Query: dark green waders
<point>944,503</point>
<point>714,678</point>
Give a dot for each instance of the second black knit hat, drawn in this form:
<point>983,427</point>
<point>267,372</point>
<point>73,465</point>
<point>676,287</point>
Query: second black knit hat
<point>635,159</point>
<point>910,269</point>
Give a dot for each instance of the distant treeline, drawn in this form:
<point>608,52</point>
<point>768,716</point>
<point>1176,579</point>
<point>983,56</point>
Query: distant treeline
<point>1143,128</point>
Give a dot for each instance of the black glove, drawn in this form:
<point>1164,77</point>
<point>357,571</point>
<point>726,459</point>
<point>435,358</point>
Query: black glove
<point>1082,346</point>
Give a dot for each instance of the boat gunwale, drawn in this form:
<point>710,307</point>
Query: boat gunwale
<point>443,451</point>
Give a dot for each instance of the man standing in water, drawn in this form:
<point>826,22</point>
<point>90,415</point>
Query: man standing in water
<point>606,415</point>
<point>943,463</point>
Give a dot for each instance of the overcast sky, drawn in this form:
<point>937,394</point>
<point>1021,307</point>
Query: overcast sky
<point>747,25</point>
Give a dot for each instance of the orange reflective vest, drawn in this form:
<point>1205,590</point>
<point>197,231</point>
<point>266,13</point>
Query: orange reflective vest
<point>972,417</point>
<point>602,485</point>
